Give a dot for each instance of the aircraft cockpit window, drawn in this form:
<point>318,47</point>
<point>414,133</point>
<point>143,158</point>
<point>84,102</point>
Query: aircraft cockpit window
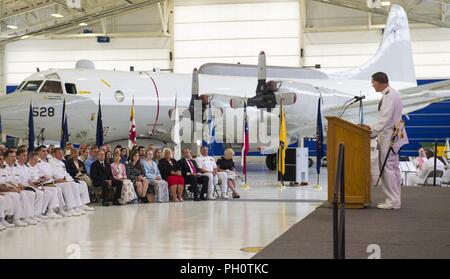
<point>71,88</point>
<point>52,76</point>
<point>21,85</point>
<point>51,86</point>
<point>32,85</point>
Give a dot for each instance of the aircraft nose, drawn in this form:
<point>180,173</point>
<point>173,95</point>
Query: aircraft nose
<point>13,114</point>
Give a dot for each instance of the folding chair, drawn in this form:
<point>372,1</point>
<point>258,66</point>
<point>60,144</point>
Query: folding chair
<point>430,178</point>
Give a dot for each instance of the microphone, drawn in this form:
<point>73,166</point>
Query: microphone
<point>359,98</point>
<point>353,101</point>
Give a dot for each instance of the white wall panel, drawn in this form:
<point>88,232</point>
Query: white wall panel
<point>22,58</point>
<point>236,32</point>
<point>338,51</point>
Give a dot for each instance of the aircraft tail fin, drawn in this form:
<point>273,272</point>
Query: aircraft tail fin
<point>394,56</point>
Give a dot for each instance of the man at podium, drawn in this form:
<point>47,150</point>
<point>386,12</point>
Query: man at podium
<point>391,134</point>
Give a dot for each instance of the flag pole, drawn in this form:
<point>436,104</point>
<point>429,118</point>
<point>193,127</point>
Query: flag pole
<point>319,146</point>
<point>246,186</point>
<point>281,147</point>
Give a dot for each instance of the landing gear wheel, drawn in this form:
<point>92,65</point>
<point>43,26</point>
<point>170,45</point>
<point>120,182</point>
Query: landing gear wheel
<point>271,162</point>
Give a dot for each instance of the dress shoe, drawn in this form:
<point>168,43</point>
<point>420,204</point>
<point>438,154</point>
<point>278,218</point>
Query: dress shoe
<point>7,224</point>
<point>87,208</point>
<point>53,215</point>
<point>387,206</point>
<point>225,196</point>
<point>42,217</point>
<point>106,204</point>
<point>73,212</point>
<point>30,221</point>
<point>64,213</point>
<point>19,223</point>
<point>116,203</point>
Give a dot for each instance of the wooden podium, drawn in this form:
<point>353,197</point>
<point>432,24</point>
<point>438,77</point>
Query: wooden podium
<point>357,161</point>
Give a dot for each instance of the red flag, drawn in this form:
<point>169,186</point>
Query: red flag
<point>132,133</point>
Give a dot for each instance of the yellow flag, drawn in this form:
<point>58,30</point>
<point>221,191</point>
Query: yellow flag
<point>283,142</point>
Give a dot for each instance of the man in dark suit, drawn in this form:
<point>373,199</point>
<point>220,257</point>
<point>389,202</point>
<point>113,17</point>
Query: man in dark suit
<point>101,176</point>
<point>192,175</point>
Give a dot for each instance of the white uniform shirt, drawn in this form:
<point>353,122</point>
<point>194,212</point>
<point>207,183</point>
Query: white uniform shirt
<point>45,169</point>
<point>2,175</point>
<point>391,112</point>
<point>12,175</point>
<point>206,162</point>
<point>24,174</point>
<point>59,170</point>
<point>33,173</point>
<point>428,167</point>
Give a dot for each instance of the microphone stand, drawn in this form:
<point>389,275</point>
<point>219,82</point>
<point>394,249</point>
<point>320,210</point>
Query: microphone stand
<point>346,107</point>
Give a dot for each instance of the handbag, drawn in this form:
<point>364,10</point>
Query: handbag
<point>128,193</point>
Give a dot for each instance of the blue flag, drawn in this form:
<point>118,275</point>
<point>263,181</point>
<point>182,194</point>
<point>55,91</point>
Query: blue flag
<point>30,129</point>
<point>99,136</point>
<point>319,137</point>
<point>64,128</point>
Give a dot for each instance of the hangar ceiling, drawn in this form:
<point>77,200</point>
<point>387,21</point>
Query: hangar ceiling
<point>21,19</point>
<point>432,12</point>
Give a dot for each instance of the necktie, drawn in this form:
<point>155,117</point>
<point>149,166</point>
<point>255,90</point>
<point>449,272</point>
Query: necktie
<point>194,170</point>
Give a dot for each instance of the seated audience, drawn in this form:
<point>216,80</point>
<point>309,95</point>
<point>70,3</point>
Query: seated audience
<point>80,190</point>
<point>135,173</point>
<point>124,156</point>
<point>119,172</point>
<point>427,168</point>
<point>109,157</point>
<point>208,167</point>
<point>192,175</point>
<point>75,167</point>
<point>171,172</point>
<point>226,164</point>
<point>419,161</point>
<point>101,176</point>
<point>154,175</point>
<point>91,159</point>
<point>158,155</point>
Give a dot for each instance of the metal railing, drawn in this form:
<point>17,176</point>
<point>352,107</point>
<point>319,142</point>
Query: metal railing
<point>339,213</point>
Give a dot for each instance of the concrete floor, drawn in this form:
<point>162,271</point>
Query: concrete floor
<point>212,229</point>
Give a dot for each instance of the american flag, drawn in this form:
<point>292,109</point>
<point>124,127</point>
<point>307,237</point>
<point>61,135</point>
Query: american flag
<point>133,133</point>
<point>245,143</point>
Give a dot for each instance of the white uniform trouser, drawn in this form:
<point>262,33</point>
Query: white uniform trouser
<point>27,198</point>
<point>47,196</point>
<point>68,194</point>
<point>39,202</point>
<point>17,211</point>
<point>56,198</point>
<point>214,179</point>
<point>6,206</point>
<point>391,179</point>
<point>81,193</point>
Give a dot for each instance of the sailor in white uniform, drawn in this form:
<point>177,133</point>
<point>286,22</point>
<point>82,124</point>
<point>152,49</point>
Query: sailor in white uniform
<point>11,178</point>
<point>51,193</point>
<point>25,180</point>
<point>427,167</point>
<point>208,167</point>
<point>391,134</point>
<point>80,189</point>
<point>46,171</point>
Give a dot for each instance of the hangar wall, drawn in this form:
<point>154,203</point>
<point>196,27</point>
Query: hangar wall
<point>338,51</point>
<point>23,57</point>
<point>235,32</point>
